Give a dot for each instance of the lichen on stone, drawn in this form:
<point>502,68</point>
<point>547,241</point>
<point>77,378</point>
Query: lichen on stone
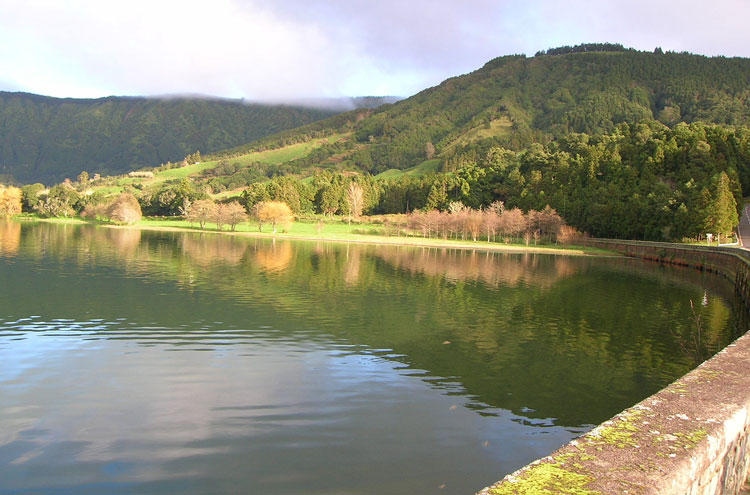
<point>690,440</point>
<point>549,478</point>
<point>618,432</point>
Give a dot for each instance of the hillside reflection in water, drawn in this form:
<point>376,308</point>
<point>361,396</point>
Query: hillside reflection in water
<point>145,362</point>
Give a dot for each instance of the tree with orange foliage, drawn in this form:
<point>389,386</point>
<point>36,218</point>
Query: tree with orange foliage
<point>274,212</point>
<point>10,201</point>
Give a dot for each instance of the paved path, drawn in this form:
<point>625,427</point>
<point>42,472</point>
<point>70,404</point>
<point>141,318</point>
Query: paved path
<point>743,229</point>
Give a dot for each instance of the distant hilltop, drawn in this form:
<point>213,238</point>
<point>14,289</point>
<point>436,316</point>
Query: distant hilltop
<point>585,48</point>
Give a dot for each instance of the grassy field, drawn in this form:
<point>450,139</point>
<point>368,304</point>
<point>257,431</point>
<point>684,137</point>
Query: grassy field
<point>499,127</point>
<point>423,168</point>
<point>110,190</point>
<point>269,157</point>
<point>276,156</point>
<point>182,172</point>
<point>305,228</point>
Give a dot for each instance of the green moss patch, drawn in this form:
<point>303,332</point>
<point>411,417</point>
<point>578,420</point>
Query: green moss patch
<point>547,479</point>
<point>620,433</point>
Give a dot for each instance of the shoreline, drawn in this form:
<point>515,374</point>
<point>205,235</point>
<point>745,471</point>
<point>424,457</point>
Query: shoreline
<point>361,239</point>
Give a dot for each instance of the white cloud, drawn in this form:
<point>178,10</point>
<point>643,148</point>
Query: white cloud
<point>304,48</point>
<point>166,47</point>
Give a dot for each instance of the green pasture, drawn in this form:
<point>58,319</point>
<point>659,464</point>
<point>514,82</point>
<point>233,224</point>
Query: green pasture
<point>269,157</point>
<point>424,168</point>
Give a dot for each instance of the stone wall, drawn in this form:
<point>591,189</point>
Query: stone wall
<point>733,263</point>
<point>691,438</point>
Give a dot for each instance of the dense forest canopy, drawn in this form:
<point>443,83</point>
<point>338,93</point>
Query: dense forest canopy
<point>515,101</point>
<point>641,181</point>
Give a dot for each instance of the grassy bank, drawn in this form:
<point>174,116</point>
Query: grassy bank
<point>332,231</point>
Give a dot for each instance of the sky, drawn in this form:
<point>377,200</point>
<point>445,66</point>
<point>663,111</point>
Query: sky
<point>282,50</point>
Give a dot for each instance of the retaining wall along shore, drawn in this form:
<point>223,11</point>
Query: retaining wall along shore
<point>691,438</point>
<point>733,263</point>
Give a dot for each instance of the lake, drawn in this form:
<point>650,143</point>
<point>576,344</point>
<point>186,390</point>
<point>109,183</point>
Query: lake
<point>162,362</point>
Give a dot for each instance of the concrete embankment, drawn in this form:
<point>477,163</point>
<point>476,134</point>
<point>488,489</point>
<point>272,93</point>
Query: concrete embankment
<point>691,438</point>
<point>733,263</point>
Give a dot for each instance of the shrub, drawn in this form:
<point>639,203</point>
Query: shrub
<point>124,209</point>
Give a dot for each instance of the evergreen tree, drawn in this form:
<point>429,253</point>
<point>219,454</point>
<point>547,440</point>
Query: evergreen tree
<point>721,213</point>
<point>437,199</point>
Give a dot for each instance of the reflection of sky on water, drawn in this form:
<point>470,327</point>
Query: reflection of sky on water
<point>133,405</point>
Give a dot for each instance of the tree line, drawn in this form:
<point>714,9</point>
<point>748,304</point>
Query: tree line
<point>492,224</point>
<point>584,48</point>
<point>642,181</point>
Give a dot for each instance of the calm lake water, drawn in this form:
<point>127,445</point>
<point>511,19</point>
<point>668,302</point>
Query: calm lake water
<point>145,362</point>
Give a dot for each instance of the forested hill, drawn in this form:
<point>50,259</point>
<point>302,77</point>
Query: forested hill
<point>47,139</point>
<point>514,101</point>
<point>621,143</point>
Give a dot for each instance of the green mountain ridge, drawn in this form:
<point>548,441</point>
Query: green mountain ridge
<point>514,101</point>
<point>546,97</point>
<point>47,139</point>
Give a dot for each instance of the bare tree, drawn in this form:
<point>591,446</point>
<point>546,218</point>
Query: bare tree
<point>417,221</point>
<point>550,222</point>
<point>355,197</point>
<point>464,221</point>
<point>95,212</point>
<point>473,223</point>
<point>429,150</point>
<point>514,221</point>
<point>433,220</point>
<point>201,211</point>
<point>455,219</point>
<point>490,222</point>
<point>568,235</point>
<point>527,236</point>
<point>235,213</point>
<point>219,216</point>
<point>533,220</point>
